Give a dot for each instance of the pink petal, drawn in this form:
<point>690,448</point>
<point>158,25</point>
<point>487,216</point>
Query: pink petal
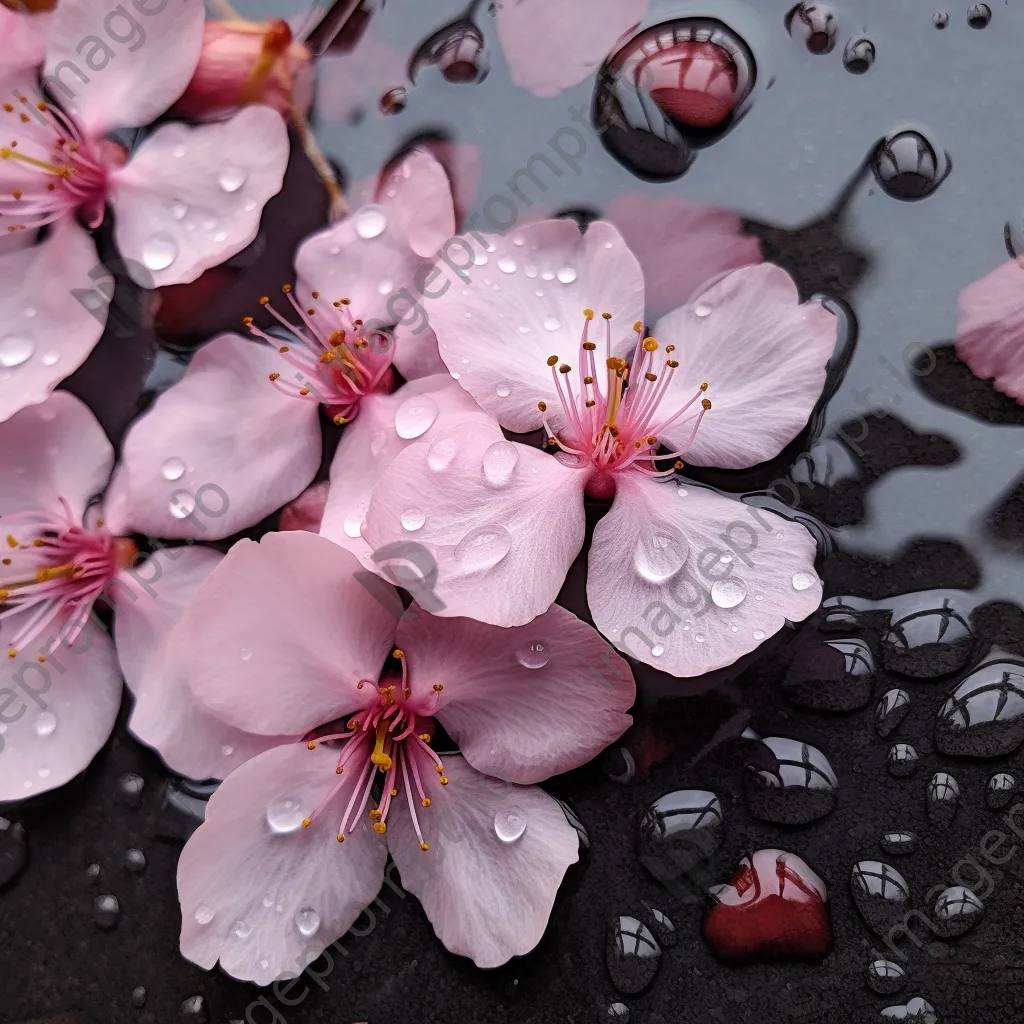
<point>280,635</point>
<point>487,899</point>
<point>416,352</point>
<point>762,353</point>
<point>53,450</point>
<point>498,341</point>
<point>552,46</point>
<point>147,72</point>
<point>523,704</point>
<point>217,451</point>
<point>57,715</point>
<point>260,881</point>
<point>191,197</point>
<point>306,512</point>
<point>150,601</point>
<point>681,245</point>
<point>991,327</point>
<point>418,199</point>
<point>503,522</point>
<point>703,612</point>
<point>370,444</point>
<point>48,328</point>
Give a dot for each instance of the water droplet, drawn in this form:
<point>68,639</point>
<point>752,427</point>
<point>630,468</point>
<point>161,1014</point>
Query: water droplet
<point>129,789</point>
<point>503,390</point>
<point>632,954</point>
<point>227,750</point>
<point>858,56</point>
<point>353,526</point>
<point>284,815</point>
<point>679,831</point>
<point>135,861</point>
<point>566,275</point>
<point>106,911</point>
<point>547,276</point>
<point>892,707</point>
<point>441,453</point>
<point>728,592</point>
<point>901,760</point>
<point>535,655</point>
<point>386,285</point>
<point>178,209</point>
<point>1000,790</point>
<point>956,911</point>
<point>618,1013</point>
<point>984,715</point>
<point>886,977</point>
<point>702,309</point>
<point>178,151</point>
<point>804,580</point>
<point>16,349</point>
<point>509,823</point>
<point>940,19</point>
<point>483,548</point>
<point>941,798</point>
<point>899,842</point>
<point>798,788</point>
<point>308,921</point>
<point>370,221</point>
<point>93,872</point>
<point>231,179</point>
<point>220,236</point>
<point>660,552</point>
<point>50,358</point>
<point>880,894</point>
<point>413,519</point>
<point>242,929</point>
<point>979,15</point>
<point>907,166</point>
<point>159,252</point>
<point>507,265</point>
<point>244,653</point>
<point>758,634</point>
<point>524,329</point>
<point>138,997</point>
<point>815,24</point>
<point>499,462</point>
<point>415,417</point>
<point>551,323</point>
<point>204,914</point>
<point>45,723</point>
<point>657,651</point>
<point>181,504</point>
<point>193,1011</point>
<point>173,469</point>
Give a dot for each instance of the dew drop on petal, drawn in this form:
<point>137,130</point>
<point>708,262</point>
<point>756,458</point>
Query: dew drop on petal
<point>179,209</point>
<point>385,286</point>
<point>172,469</point>
<point>353,526</point>
<point>660,554</point>
<point>758,634</point>
<point>728,592</point>
<point>479,260</point>
<point>657,651</point>
<point>220,236</point>
<point>242,929</point>
<point>534,655</point>
<point>50,358</point>
<point>509,824</point>
<point>567,275</point>
<point>503,390</point>
<point>159,252</point>
<point>551,323</point>
<point>413,519</point>
<point>507,265</point>
<point>307,920</point>
<point>204,914</point>
<point>483,548</point>
<point>370,221</point>
<point>16,349</point>
<point>45,724</point>
<point>181,504</point>
<point>415,417</point>
<point>702,309</point>
<point>231,179</point>
<point>284,815</point>
<point>441,453</point>
<point>524,329</point>
<point>804,580</point>
<point>499,462</point>
<point>179,151</point>
<point>530,272</point>
<point>244,653</point>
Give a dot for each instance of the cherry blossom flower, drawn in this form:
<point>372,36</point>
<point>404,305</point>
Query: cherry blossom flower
<point>246,414</point>
<point>312,822</point>
<point>504,521</point>
<point>60,685</point>
<point>186,200</point>
<point>991,328</point>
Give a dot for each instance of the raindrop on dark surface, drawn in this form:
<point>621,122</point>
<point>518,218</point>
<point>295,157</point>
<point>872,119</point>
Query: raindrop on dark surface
<point>880,894</point>
<point>632,954</point>
<point>956,911</point>
<point>799,789</point>
<point>942,798</point>
<point>898,842</point>
<point>129,789</point>
<point>979,15</point>
<point>664,930</point>
<point>193,1011</point>
<point>1000,790</point>
<point>617,1012</point>
<point>940,19</point>
<point>394,100</point>
<point>106,911</point>
<point>858,56</point>
<point>679,831</point>
<point>891,709</point>
<point>457,50</point>
<point>984,715</point>
<point>927,637</point>
<point>815,24</point>
<point>886,977</point>
<point>573,819</point>
<point>13,850</point>
<point>93,872</point>
<point>138,997</point>
<point>907,166</point>
<point>830,675</point>
<point>901,761</point>
<point>914,1011</point>
<point>135,861</point>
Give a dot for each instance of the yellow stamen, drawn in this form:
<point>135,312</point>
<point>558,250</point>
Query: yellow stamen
<point>378,757</point>
<point>543,406</point>
<point>443,780</point>
<point>375,813</point>
<point>704,386</point>
<point>438,687</point>
<point>425,801</point>
<point>589,314</point>
<point>552,360</point>
<point>56,572</point>
<point>8,153</point>
<point>398,654</point>
<point>706,403</point>
<point>394,792</point>
<point>341,838</point>
<point>424,847</point>
<point>11,652</point>
<point>12,541</point>
<point>306,822</point>
<point>311,745</point>
<point>650,344</point>
<point>380,827</point>
<point>4,594</point>
<point>274,376</point>
<point>340,420</point>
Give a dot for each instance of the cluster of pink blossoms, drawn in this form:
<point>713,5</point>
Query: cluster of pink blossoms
<point>476,428</point>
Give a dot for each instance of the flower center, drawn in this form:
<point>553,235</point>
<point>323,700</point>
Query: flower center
<point>60,170</point>
<point>386,739</point>
<point>616,427</point>
<point>52,571</point>
<point>335,363</point>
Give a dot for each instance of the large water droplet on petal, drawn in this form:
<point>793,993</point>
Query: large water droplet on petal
<point>16,349</point>
<point>45,723</point>
<point>534,655</point>
<point>284,815</point>
<point>728,592</point>
<point>804,580</point>
<point>173,469</point>
<point>509,823</point>
<point>551,323</point>
<point>242,929</point>
<point>231,179</point>
<point>413,519</point>
<point>353,526</point>
<point>499,462</point>
<point>159,252</point>
<point>660,553</point>
<point>179,209</point>
<point>370,221</point>
<point>566,275</point>
<point>441,453</point>
<point>308,921</point>
<point>181,504</point>
<point>204,914</point>
<point>483,548</point>
<point>415,417</point>
<point>507,265</point>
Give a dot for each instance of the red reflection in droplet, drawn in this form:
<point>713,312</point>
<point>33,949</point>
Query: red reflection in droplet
<point>693,82</point>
